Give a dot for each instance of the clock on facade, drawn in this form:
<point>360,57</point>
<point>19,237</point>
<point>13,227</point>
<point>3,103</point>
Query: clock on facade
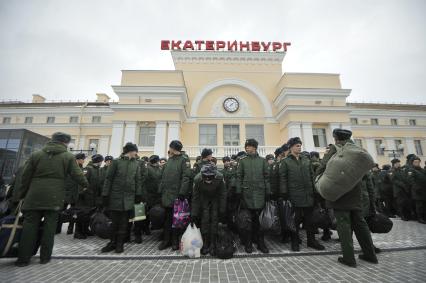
<point>231,104</point>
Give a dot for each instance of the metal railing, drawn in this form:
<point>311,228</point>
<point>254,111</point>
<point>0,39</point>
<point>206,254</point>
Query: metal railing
<point>221,151</point>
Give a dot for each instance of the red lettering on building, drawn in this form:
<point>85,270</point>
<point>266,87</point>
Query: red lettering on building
<point>266,46</point>
<point>276,46</point>
<point>220,45</point>
<point>188,45</point>
<point>255,46</point>
<point>232,45</point>
<point>165,45</point>
<point>176,44</point>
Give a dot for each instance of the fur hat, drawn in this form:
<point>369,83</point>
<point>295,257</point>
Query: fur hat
<point>395,160</point>
<point>206,152</point>
<point>251,142</point>
<point>410,156</point>
<point>108,157</point>
<point>241,154</point>
<point>61,137</point>
<point>386,167</point>
<point>176,145</point>
<point>278,151</point>
<point>154,159</point>
<point>226,159</point>
<point>130,147</point>
<point>269,157</point>
<point>314,154</point>
<point>80,155</point>
<point>97,158</point>
<point>293,141</point>
<point>342,134</point>
<point>234,157</point>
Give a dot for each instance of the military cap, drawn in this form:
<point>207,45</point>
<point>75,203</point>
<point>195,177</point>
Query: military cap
<point>342,134</point>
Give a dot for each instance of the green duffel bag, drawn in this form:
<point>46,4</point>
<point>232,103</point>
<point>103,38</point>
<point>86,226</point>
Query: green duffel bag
<point>344,170</point>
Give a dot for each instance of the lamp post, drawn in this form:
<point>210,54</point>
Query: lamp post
<point>394,152</point>
<point>91,150</point>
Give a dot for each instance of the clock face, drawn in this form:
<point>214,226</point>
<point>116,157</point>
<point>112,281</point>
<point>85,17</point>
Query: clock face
<point>231,104</point>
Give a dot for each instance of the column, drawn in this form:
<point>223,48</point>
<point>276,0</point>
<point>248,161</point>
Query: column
<point>409,146</point>
<point>174,131</point>
<point>103,145</point>
<point>371,148</point>
<point>116,138</point>
<point>307,137</point>
<point>130,132</point>
<point>329,132</point>
<point>81,142</point>
<point>294,130</point>
<point>389,143</point>
<point>160,138</point>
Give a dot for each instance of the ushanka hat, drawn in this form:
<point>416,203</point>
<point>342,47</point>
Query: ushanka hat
<point>293,141</point>
<point>97,158</point>
<point>130,147</point>
<point>176,145</point>
<point>61,137</point>
<point>206,152</point>
<point>342,134</point>
<point>251,142</point>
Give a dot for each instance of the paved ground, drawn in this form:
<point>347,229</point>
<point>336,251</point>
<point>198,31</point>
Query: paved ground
<point>403,260</point>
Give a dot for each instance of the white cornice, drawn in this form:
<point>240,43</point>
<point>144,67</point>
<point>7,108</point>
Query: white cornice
<point>309,93</point>
<point>157,92</point>
<point>227,57</point>
<point>56,110</point>
<point>152,107</point>
<point>54,125</point>
<point>388,127</point>
<point>373,113</point>
<point>301,108</point>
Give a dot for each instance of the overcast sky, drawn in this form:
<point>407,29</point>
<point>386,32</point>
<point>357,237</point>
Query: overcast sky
<point>71,50</point>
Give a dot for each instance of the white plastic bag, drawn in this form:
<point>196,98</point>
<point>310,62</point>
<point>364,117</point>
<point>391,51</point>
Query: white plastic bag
<point>191,242</point>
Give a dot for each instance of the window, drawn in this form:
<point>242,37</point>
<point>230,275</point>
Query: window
<point>418,145</point>
<point>394,122</point>
<point>94,141</point>
<point>358,142</point>
<point>6,120</point>
<point>354,121</point>
<point>50,120</point>
<point>320,139</point>
<point>412,122</point>
<point>73,119</point>
<point>379,150</point>
<point>28,120</point>
<point>231,135</point>
<point>374,121</point>
<point>397,143</point>
<point>255,132</point>
<point>207,135</point>
<point>147,136</point>
<point>96,119</point>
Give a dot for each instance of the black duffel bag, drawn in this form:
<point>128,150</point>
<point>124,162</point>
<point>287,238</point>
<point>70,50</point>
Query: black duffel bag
<point>157,216</point>
<point>320,218</point>
<point>100,225</point>
<point>287,215</point>
<point>379,223</point>
<point>225,244</point>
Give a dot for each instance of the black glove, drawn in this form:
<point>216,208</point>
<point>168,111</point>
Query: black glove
<point>138,199</point>
<point>181,197</point>
<point>105,201</point>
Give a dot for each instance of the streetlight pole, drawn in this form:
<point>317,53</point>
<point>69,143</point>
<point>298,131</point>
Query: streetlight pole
<point>91,150</point>
<point>395,152</point>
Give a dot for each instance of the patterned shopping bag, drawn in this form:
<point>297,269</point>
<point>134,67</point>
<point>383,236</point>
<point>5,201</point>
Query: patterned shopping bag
<point>181,214</point>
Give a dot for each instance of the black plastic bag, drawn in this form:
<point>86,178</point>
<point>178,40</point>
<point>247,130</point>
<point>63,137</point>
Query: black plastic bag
<point>157,216</point>
<point>287,215</point>
<point>321,219</point>
<point>379,223</point>
<point>225,244</point>
<point>100,225</point>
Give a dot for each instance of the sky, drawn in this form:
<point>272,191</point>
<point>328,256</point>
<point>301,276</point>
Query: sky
<point>71,50</point>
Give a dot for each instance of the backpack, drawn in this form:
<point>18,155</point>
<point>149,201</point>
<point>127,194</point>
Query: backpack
<point>225,244</point>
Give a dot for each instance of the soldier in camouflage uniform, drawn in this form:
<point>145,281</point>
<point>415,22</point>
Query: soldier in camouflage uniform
<point>401,190</point>
<point>417,180</point>
<point>208,205</point>
<point>229,173</point>
<point>253,189</point>
<point>175,179</point>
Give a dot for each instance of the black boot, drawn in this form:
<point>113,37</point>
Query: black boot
<point>261,246</point>
<point>206,244</point>
<point>312,243</point>
<point>248,246</point>
<point>110,246</point>
<point>295,242</point>
<point>175,240</point>
<point>166,240</point>
<point>58,228</point>
<point>70,229</point>
<point>119,247</point>
<point>138,239</point>
<point>213,245</point>
<point>79,231</point>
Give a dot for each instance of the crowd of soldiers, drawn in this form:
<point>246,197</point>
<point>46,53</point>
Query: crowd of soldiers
<point>53,180</point>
